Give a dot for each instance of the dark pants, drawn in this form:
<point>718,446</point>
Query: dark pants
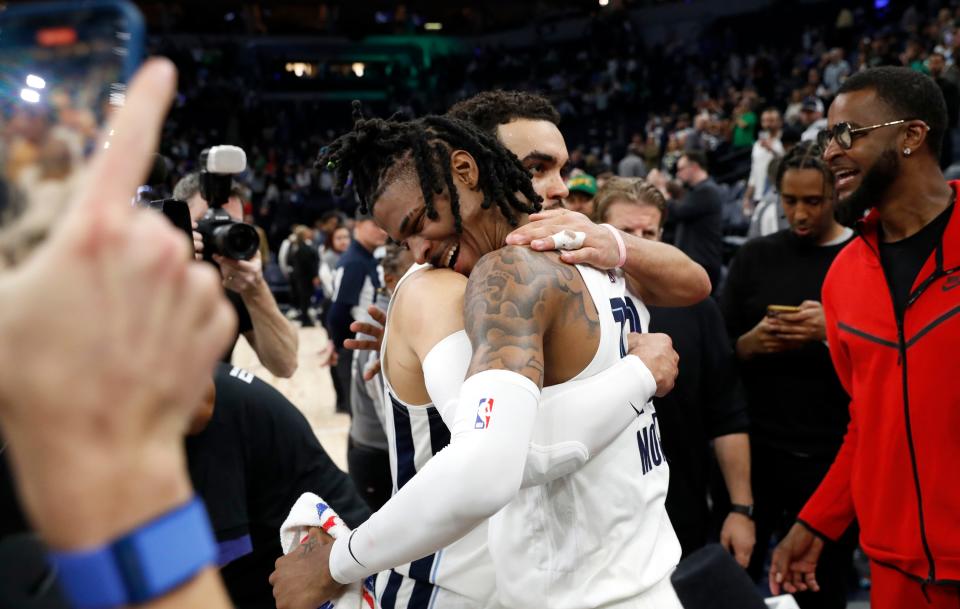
<point>782,484</point>
<point>342,375</point>
<point>304,293</point>
<point>294,292</point>
<point>369,468</point>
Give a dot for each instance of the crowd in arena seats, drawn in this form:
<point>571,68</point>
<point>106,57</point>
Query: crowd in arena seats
<point>618,97</point>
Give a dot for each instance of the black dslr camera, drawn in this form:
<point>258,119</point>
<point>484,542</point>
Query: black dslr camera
<point>222,234</point>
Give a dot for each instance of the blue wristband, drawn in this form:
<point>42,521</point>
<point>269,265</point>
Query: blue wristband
<point>143,564</point>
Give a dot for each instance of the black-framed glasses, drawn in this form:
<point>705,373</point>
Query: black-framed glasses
<point>844,133</point>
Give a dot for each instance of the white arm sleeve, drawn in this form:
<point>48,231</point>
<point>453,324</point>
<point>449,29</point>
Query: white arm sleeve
<point>572,424</point>
<point>579,419</point>
<point>444,368</point>
<point>463,485</point>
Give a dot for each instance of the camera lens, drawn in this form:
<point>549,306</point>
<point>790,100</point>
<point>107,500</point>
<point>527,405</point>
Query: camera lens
<point>236,240</point>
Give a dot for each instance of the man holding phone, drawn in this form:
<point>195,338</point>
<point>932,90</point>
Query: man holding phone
<point>797,407</point>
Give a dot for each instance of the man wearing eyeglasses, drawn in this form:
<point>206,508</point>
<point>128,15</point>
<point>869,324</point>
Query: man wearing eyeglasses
<point>893,324</point>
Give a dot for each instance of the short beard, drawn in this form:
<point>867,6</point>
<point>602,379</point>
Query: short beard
<point>875,184</point>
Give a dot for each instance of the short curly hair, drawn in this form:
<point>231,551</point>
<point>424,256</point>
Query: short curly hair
<point>908,94</point>
<point>490,109</point>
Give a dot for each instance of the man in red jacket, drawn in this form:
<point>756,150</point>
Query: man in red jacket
<point>893,326</point>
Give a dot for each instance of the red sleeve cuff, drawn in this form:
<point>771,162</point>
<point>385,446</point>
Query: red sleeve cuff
<point>830,523</point>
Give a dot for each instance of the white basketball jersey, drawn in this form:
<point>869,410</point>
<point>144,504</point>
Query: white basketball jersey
<point>601,535</point>
<point>460,576</point>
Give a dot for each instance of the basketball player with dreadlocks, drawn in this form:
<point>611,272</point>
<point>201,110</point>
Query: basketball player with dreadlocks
<point>527,307</point>
<point>428,354</point>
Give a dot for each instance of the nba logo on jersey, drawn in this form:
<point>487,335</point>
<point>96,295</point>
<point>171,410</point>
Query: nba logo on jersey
<point>484,412</point>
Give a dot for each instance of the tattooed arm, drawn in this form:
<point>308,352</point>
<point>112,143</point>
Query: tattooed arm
<point>511,302</point>
<point>510,298</point>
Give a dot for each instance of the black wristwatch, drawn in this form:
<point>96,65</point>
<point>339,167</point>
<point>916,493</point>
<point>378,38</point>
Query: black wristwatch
<point>746,510</point>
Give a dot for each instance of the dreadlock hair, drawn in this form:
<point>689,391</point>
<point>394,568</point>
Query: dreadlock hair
<point>377,151</point>
<point>490,109</point>
<point>805,155</point>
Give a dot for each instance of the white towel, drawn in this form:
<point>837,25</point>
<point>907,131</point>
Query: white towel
<point>312,511</point>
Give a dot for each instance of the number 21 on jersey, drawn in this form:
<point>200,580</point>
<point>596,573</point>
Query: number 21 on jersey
<point>625,313</point>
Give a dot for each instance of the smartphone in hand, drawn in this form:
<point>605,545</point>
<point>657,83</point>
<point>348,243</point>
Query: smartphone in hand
<point>64,68</point>
<point>777,310</point>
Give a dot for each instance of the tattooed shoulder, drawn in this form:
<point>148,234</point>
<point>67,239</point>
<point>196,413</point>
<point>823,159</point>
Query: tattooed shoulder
<point>513,297</point>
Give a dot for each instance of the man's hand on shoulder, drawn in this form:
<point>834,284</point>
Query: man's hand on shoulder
<point>599,250</point>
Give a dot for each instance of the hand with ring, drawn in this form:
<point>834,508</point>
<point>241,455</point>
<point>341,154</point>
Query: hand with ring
<point>241,276</point>
<point>579,239</point>
<point>568,239</point>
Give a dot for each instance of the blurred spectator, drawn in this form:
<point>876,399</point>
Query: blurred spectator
<point>767,148</point>
<point>937,64</point>
<point>283,255</point>
<point>306,266</point>
<point>632,165</point>
<point>745,125</point>
<point>329,221</point>
<point>583,188</point>
<point>791,115</point>
<point>811,118</point>
<point>768,216</point>
<point>698,215</point>
<point>304,178</point>
<point>914,56</point>
<point>699,138</point>
<point>603,174</point>
<point>798,410</point>
<point>356,280</point>
<point>367,449</point>
<point>336,244</point>
<point>651,152</point>
<point>264,244</point>
<point>672,154</point>
<point>835,70</point>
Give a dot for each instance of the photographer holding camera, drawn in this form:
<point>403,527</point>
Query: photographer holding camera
<point>216,211</point>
